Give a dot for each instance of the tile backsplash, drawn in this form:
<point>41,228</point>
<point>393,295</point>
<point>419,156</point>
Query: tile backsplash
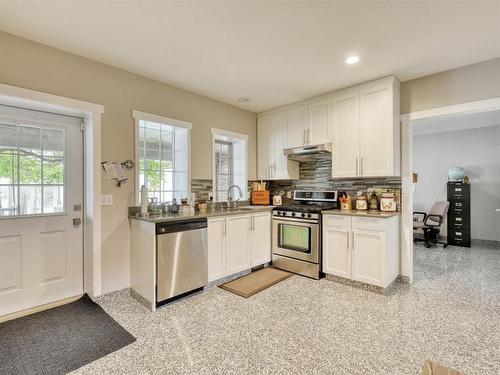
<point>316,175</point>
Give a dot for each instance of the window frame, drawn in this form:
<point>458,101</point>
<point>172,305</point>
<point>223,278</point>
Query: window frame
<point>142,116</point>
<point>233,138</point>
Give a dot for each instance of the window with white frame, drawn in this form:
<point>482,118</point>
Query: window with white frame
<point>229,164</point>
<point>163,160</point>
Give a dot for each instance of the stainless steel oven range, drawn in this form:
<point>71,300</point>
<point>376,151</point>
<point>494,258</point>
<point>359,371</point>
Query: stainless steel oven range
<point>296,235</point>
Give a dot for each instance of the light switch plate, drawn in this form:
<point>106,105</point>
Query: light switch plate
<point>106,199</point>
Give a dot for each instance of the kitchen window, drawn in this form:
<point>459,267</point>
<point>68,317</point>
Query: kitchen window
<point>229,164</point>
<point>163,157</point>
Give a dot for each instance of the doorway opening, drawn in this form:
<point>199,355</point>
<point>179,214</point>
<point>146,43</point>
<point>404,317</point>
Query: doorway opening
<point>451,190</point>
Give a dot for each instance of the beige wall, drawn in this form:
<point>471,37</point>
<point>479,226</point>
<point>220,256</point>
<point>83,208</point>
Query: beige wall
<point>34,66</point>
<point>466,84</point>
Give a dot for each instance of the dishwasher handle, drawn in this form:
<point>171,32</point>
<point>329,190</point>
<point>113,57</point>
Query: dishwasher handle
<point>180,226</point>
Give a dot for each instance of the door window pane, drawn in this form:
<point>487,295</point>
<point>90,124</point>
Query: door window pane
<point>53,199</point>
<point>30,200</point>
<point>31,170</point>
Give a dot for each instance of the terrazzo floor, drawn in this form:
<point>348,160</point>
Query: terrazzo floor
<point>451,314</point>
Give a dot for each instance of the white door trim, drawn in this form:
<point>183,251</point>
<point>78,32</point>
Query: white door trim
<point>91,113</point>
<point>407,167</point>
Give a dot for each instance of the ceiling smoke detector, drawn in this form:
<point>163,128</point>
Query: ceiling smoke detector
<point>243,100</point>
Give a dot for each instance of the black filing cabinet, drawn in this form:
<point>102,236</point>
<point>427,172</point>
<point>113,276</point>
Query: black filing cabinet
<point>459,214</point>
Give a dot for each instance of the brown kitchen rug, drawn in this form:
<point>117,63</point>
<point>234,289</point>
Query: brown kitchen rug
<point>433,368</point>
<point>255,282</point>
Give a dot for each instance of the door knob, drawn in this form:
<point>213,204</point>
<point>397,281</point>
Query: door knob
<point>77,221</point>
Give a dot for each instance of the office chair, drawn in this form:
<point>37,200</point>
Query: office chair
<point>431,223</point>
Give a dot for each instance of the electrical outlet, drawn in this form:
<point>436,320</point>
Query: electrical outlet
<point>106,200</point>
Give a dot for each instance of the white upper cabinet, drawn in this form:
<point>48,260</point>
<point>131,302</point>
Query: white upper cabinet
<point>345,160</point>
<point>366,140</point>
<point>296,126</point>
<point>263,147</point>
<point>272,140</point>
<point>319,113</point>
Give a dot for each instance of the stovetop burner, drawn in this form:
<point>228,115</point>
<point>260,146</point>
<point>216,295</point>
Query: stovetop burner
<point>312,208</point>
<point>311,201</point>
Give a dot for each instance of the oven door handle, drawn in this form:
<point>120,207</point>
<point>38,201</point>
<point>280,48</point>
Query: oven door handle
<point>287,220</point>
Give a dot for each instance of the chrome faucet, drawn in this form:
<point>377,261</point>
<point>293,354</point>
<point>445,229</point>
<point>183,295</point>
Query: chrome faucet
<point>230,199</point>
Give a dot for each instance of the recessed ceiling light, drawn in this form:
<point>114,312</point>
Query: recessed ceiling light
<point>243,100</point>
<point>352,60</point>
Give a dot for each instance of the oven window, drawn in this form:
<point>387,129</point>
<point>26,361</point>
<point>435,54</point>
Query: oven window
<point>295,237</point>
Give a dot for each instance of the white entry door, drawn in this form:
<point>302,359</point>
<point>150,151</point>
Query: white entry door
<point>41,182</point>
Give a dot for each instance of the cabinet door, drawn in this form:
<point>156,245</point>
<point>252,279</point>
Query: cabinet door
<point>263,147</point>
<point>376,132</point>
<point>296,127</point>
<point>279,163</point>
<point>368,256</point>
<point>337,251</point>
<point>319,122</point>
<point>261,239</point>
<point>237,244</point>
<point>345,150</point>
<point>216,249</point>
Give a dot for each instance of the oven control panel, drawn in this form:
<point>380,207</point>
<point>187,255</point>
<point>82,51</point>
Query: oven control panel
<point>297,215</point>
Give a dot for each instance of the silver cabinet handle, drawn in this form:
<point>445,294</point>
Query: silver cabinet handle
<point>357,166</point>
<point>253,223</point>
<point>224,229</point>
<point>303,137</point>
<point>362,167</point>
<point>348,235</point>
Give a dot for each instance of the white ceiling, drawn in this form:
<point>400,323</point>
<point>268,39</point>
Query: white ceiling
<point>456,122</point>
<point>272,52</point>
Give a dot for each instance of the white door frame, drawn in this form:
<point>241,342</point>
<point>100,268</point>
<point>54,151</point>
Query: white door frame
<point>407,167</point>
<point>91,113</point>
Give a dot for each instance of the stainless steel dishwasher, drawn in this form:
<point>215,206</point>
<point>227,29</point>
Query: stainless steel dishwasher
<point>181,259</point>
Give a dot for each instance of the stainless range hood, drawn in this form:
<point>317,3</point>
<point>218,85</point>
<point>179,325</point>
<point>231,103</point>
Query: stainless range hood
<point>305,153</point>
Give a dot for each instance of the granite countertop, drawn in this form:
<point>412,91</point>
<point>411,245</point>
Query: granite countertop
<point>369,213</point>
<point>195,215</point>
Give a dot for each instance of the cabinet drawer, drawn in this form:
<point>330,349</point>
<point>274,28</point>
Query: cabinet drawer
<point>369,223</point>
<point>459,237</point>
<point>459,221</point>
<point>458,191</point>
<point>336,221</point>
<point>459,208</point>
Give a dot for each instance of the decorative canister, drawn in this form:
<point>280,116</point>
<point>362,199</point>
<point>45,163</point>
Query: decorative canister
<point>373,202</point>
<point>388,202</point>
<point>361,203</point>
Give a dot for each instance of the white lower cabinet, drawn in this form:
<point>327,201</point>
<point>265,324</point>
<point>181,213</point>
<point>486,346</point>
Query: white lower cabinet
<point>260,248</point>
<point>337,260</point>
<point>238,243</point>
<point>364,249</point>
<point>216,248</point>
